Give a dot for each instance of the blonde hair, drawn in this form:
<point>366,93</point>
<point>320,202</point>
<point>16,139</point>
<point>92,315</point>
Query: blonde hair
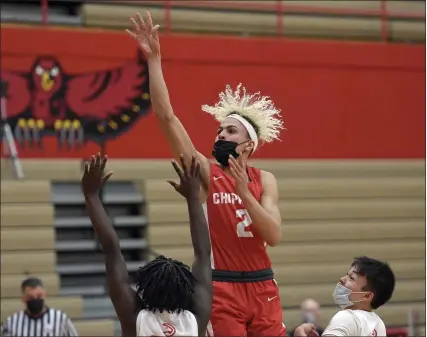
<point>257,109</point>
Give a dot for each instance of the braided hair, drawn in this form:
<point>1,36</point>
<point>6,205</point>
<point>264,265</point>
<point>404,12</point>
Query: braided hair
<point>165,285</point>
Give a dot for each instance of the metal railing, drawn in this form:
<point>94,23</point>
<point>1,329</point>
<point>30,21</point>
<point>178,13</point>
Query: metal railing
<point>279,7</point>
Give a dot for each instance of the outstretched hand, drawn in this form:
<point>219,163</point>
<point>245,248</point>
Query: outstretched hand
<point>189,185</point>
<point>146,35</point>
<point>93,177</point>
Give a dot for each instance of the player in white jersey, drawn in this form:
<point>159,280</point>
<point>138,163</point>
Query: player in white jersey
<point>368,285</point>
<point>170,300</point>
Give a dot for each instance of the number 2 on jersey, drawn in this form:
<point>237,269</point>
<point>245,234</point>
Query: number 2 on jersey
<point>241,226</point>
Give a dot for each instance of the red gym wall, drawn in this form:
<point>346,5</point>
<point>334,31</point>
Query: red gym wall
<point>338,99</point>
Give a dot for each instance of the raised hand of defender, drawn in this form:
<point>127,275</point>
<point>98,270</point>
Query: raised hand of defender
<point>238,172</point>
<point>189,185</point>
<point>93,177</point>
<point>146,35</point>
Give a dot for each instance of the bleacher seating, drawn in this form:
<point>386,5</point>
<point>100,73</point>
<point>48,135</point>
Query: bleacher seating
<point>331,210</point>
<point>60,12</point>
<point>315,19</point>
<point>57,245</point>
<point>80,263</point>
<point>318,19</point>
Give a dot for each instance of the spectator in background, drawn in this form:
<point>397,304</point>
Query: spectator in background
<point>310,311</point>
<point>37,319</point>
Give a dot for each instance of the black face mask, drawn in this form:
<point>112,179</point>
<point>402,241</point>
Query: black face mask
<point>223,149</point>
<point>35,306</point>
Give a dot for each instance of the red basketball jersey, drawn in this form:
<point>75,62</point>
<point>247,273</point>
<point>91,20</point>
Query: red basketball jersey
<point>235,244</point>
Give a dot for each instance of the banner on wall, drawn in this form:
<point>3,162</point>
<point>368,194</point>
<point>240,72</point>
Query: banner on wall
<point>73,92</point>
<point>45,101</point>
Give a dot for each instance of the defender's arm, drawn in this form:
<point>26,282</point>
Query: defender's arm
<point>121,293</point>
<point>201,268</point>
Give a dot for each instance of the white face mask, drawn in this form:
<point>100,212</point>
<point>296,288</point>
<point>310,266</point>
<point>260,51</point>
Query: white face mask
<point>342,294</point>
<point>309,317</point>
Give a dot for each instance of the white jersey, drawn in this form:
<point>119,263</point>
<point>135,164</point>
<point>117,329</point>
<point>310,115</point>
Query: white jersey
<point>166,324</point>
<point>355,323</point>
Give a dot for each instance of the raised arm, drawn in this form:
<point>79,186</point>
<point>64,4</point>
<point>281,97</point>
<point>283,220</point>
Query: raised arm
<point>121,293</point>
<point>176,135</point>
<point>189,187</point>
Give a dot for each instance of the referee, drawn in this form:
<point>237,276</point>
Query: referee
<point>37,320</point>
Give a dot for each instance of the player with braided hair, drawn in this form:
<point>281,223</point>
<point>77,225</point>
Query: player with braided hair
<point>165,285</point>
<point>170,300</point>
<point>241,202</point>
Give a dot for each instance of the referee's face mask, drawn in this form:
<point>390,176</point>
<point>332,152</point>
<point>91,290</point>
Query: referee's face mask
<point>34,300</point>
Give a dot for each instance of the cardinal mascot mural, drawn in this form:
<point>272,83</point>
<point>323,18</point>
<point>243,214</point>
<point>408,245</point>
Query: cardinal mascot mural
<point>97,107</point>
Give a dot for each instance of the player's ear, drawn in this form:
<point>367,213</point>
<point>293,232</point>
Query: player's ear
<point>249,147</point>
<point>369,296</point>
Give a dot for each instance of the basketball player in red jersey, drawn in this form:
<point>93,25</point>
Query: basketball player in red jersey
<point>240,201</point>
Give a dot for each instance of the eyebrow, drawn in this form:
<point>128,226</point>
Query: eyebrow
<point>227,126</point>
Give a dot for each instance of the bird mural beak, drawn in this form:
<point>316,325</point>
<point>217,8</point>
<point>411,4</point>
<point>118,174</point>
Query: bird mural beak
<point>46,81</point>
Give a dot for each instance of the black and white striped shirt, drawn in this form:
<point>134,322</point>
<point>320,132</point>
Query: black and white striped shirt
<point>52,323</point>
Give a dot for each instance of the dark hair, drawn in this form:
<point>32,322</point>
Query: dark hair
<point>31,282</point>
<point>165,285</point>
<point>379,279</point>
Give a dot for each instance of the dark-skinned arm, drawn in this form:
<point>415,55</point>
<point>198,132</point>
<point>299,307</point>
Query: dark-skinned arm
<point>121,293</point>
<point>201,268</point>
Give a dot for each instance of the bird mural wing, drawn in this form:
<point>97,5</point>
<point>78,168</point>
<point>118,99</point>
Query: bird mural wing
<point>16,92</point>
<point>107,101</point>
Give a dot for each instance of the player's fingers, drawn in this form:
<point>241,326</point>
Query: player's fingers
<point>149,21</point>
<point>178,169</point>
<point>155,32</point>
<point>232,162</point>
<point>197,171</point>
<point>106,177</point>
<point>86,170</point>
<point>92,164</point>
<point>193,165</point>
<point>184,164</point>
<point>98,161</point>
<point>312,333</point>
<point>103,163</point>
<point>131,34</point>
<point>240,159</point>
<point>309,328</point>
<point>174,184</point>
<point>234,173</point>
<point>140,21</point>
<point>135,25</point>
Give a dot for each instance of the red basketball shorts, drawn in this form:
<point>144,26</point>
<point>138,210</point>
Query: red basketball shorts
<point>250,309</point>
